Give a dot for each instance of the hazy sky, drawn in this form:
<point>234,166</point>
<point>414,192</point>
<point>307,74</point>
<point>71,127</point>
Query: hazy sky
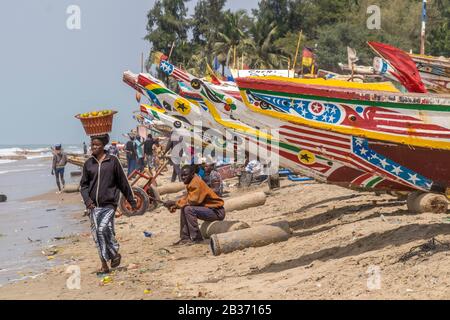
<point>51,73</point>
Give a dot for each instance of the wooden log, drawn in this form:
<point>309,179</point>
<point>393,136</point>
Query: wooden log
<point>256,236</point>
<point>428,202</point>
<point>250,200</point>
<point>215,227</point>
<point>71,188</point>
<point>172,187</point>
<point>76,173</point>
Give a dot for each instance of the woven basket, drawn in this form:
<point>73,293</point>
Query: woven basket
<point>95,126</point>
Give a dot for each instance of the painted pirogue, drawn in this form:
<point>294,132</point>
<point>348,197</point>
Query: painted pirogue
<point>405,137</point>
<point>370,117</point>
<point>291,156</point>
<point>434,71</point>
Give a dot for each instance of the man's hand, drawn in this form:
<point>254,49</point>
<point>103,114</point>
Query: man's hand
<point>173,209</point>
<point>134,205</point>
<point>169,203</point>
<point>91,206</point>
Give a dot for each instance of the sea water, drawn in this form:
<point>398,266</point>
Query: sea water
<point>28,227</point>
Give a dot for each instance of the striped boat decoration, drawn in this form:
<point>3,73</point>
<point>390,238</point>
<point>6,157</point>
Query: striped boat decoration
<point>356,153</point>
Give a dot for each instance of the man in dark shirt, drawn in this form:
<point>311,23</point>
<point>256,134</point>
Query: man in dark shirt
<point>148,150</point>
<point>130,149</point>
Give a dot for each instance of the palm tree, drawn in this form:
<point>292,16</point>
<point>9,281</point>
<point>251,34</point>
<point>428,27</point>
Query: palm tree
<point>232,36</point>
<point>263,51</point>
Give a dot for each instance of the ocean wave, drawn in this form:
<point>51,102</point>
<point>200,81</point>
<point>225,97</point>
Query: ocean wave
<point>6,161</point>
<point>17,153</point>
<point>10,151</point>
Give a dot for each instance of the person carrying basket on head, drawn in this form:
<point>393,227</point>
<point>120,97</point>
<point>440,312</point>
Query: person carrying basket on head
<point>102,181</point>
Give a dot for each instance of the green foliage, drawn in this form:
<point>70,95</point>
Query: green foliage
<point>167,25</point>
<point>268,37</point>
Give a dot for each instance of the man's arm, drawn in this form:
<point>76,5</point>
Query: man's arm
<point>84,187</point>
<point>54,163</point>
<point>168,146</point>
<point>64,159</point>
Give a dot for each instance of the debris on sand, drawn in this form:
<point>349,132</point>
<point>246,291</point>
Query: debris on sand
<point>429,248</point>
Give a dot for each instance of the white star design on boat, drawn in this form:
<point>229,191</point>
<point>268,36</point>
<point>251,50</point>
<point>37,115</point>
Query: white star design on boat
<point>428,184</point>
<point>413,178</point>
<point>303,113</point>
<point>331,119</point>
<point>359,141</point>
<point>292,104</point>
<point>397,170</point>
<point>314,117</point>
<point>325,117</point>
<point>374,156</point>
<point>384,163</point>
<point>165,67</point>
<point>333,109</point>
<point>300,104</point>
<point>363,151</point>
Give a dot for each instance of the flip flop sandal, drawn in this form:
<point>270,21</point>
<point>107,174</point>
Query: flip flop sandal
<point>116,261</point>
<point>181,242</point>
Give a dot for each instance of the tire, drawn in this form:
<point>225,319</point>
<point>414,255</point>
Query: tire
<point>3,198</point>
<point>153,192</point>
<point>142,203</point>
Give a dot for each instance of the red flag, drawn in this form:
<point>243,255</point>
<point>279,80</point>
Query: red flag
<point>407,73</point>
<point>215,80</point>
<point>307,57</point>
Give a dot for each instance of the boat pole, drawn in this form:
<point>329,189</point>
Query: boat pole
<point>296,50</point>
<point>422,33</point>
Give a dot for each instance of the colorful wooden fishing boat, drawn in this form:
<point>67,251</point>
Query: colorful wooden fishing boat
<point>435,72</point>
<point>291,156</point>
<point>404,137</point>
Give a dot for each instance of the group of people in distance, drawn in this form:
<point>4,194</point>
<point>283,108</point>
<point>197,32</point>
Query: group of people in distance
<point>141,153</point>
<point>104,179</point>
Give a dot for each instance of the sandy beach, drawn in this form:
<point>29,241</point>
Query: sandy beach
<point>345,245</point>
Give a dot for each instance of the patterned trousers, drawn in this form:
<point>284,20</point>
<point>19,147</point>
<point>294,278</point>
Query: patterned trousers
<point>102,227</point>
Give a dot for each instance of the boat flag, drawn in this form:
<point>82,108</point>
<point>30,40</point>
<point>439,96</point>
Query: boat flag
<point>214,79</point>
<point>158,57</point>
<point>405,69</point>
<point>307,57</point>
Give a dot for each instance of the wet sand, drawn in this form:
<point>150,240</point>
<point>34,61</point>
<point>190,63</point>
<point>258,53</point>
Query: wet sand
<point>33,217</point>
<point>345,245</point>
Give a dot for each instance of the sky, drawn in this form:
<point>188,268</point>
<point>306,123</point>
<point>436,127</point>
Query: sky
<point>50,73</point>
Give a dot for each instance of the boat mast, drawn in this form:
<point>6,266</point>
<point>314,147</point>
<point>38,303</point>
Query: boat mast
<point>422,33</point>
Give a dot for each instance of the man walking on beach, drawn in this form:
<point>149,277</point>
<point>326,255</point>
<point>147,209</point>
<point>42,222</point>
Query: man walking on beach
<point>174,141</point>
<point>102,181</point>
<point>58,165</point>
<point>140,153</point>
<point>200,202</point>
<point>84,148</point>
<point>130,149</point>
<point>148,150</point>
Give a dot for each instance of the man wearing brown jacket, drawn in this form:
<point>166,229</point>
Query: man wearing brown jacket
<point>199,202</point>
